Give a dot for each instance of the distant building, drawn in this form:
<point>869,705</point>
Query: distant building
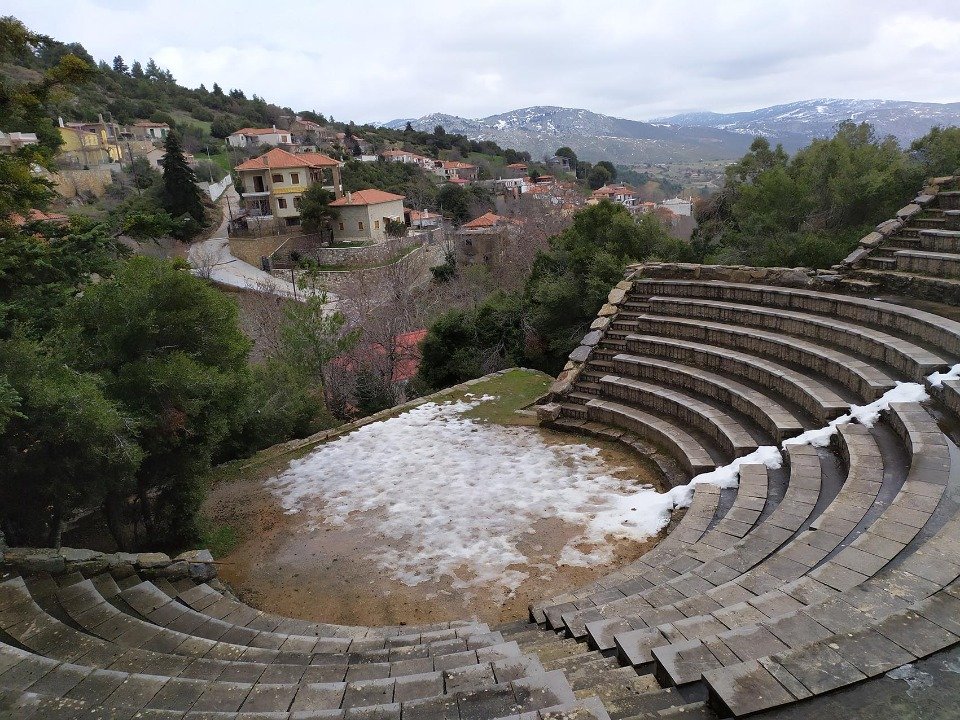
<point>274,182</point>
<point>560,163</point>
<point>87,148</point>
<point>679,206</point>
<point>420,219</point>
<point>157,154</point>
<point>405,156</point>
<point>364,214</point>
<point>35,215</point>
<point>482,239</point>
<point>249,137</point>
<point>146,130</point>
<point>453,170</point>
<point>620,193</point>
<point>13,141</point>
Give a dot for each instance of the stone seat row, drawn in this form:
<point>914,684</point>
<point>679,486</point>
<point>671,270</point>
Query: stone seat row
<point>889,565</point>
<point>135,678</point>
<point>747,507</point>
<point>828,552</point>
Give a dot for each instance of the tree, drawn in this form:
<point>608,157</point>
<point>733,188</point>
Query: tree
<point>569,154</point>
<point>152,71</point>
<point>939,151</point>
<point>311,335</point>
<point>136,70</point>
<point>316,215</point>
<point>64,450</point>
<point>609,168</point>
<point>119,66</point>
<point>408,128</point>
<point>217,90</point>
<point>598,177</point>
<point>171,356</point>
<point>455,202</point>
<point>179,194</point>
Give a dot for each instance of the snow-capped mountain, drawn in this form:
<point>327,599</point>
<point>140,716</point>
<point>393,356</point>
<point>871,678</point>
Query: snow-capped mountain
<point>796,124</point>
<point>691,136</point>
<point>541,130</point>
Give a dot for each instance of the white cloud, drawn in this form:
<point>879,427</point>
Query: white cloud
<point>385,59</point>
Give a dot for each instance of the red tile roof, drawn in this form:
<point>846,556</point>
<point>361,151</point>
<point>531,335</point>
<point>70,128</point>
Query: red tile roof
<point>406,354</point>
<point>259,131</point>
<point>366,197</point>
<point>35,215</point>
<point>276,159</point>
<point>485,221</point>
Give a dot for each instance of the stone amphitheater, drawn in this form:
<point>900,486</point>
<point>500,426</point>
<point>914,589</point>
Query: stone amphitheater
<point>823,572</point>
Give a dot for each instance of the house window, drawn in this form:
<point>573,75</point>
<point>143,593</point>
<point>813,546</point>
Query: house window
<point>360,225</point>
<point>296,201</point>
<point>341,226</point>
<point>277,178</point>
<point>376,224</point>
<point>282,203</point>
<point>295,178</point>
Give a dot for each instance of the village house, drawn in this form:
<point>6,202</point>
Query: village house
<point>620,193</point>
<point>155,155</point>
<point>13,141</point>
<point>85,148</point>
<point>273,183</point>
<point>249,137</point>
<point>405,156</point>
<point>364,215</point>
<point>454,170</point>
<point>515,170</point>
<point>146,130</point>
<point>560,163</point>
<point>482,239</point>
<point>420,219</point>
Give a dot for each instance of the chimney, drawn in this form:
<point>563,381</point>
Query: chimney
<point>60,120</point>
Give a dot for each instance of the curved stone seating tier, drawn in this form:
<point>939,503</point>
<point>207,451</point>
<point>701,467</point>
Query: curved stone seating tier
<point>687,450</point>
<point>866,381</point>
<point>722,429</point>
<point>727,593</point>
<point>695,522</point>
<point>774,419</point>
<point>818,400</point>
<point>905,357</point>
<point>939,333</point>
<point>751,500</point>
<point>882,571</point>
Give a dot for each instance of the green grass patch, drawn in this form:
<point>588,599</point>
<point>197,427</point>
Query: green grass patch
<point>514,390</point>
<point>219,539</point>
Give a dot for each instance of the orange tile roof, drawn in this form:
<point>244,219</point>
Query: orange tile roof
<point>258,131</point>
<point>276,159</point>
<point>456,165</point>
<point>147,123</point>
<point>416,215</point>
<point>35,215</point>
<point>485,221</point>
<point>366,197</point>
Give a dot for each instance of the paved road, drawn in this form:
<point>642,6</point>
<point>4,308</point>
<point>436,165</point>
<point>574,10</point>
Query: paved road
<point>212,258</point>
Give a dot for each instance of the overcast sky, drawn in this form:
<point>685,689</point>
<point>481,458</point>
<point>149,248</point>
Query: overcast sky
<point>377,60</point>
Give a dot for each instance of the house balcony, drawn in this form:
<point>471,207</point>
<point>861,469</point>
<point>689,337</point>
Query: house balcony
<point>262,193</point>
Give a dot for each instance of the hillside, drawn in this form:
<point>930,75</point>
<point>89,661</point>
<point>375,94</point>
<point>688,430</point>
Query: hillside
<point>541,130</point>
<point>690,136</point>
<point>796,124</point>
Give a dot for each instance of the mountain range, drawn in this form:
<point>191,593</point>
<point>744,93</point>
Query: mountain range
<point>688,137</point>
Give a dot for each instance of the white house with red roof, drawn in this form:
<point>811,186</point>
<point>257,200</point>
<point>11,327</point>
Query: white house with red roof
<point>455,170</point>
<point>364,214</point>
<point>248,137</point>
<point>273,182</point>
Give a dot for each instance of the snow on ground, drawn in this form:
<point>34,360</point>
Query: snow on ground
<point>458,495</point>
<point>445,496</point>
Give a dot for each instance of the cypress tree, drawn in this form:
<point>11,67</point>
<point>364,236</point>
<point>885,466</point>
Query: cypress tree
<point>180,194</point>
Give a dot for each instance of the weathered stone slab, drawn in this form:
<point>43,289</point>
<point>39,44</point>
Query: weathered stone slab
<point>819,667</point>
<point>581,353</point>
<point>152,560</point>
<point>871,240</point>
<point>746,688</point>
<point>591,338</point>
<point>608,310</point>
<point>870,652</point>
<point>908,210</point>
<point>600,323</point>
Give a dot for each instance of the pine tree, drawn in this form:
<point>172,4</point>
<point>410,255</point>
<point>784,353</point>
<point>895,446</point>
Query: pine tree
<point>180,194</point>
<point>217,90</point>
<point>119,66</point>
<point>136,70</point>
<point>152,71</point>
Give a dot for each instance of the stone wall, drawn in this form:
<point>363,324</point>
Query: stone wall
<point>250,250</point>
<point>799,277</point>
<point>198,565</point>
<point>70,183</point>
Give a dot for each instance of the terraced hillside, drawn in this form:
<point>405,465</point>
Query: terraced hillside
<point>809,577</point>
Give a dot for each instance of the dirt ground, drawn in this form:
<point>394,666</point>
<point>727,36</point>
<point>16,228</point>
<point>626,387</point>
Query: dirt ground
<point>287,564</point>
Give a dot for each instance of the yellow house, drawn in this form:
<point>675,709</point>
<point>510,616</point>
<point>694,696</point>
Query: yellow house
<point>274,182</point>
<point>87,148</point>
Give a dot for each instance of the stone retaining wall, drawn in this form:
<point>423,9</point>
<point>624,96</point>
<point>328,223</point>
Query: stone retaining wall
<point>198,565</point>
